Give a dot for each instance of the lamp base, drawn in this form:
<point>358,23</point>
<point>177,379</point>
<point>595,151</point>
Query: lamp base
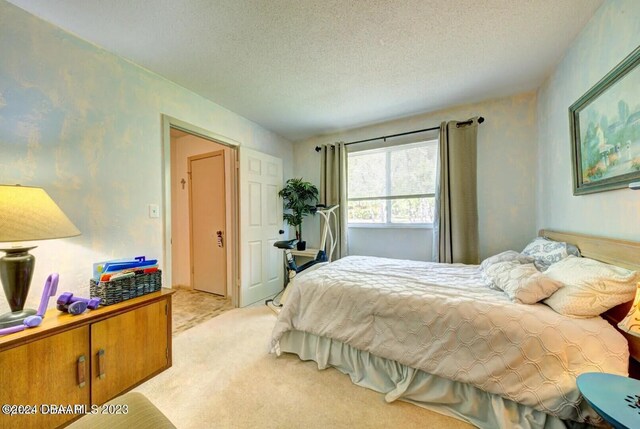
<point>16,270</point>
<point>15,318</point>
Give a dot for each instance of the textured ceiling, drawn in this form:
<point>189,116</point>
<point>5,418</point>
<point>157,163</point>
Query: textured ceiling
<point>302,68</point>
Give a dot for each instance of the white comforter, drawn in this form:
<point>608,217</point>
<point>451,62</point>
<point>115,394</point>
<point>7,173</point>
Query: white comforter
<point>443,320</point>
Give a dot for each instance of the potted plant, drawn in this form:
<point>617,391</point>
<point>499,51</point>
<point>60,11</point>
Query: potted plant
<point>300,199</point>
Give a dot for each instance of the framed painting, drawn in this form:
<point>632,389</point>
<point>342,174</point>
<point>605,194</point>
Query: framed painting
<point>605,131</point>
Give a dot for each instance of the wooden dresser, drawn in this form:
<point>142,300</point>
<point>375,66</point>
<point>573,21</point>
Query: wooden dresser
<point>84,360</point>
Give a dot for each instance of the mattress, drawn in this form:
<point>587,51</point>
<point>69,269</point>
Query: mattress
<point>442,319</point>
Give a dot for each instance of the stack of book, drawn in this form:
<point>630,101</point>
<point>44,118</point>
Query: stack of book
<point>121,279</point>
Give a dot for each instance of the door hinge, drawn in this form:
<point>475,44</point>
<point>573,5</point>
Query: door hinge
<point>166,353</point>
<point>166,309</point>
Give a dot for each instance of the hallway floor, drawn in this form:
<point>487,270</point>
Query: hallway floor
<point>191,307</point>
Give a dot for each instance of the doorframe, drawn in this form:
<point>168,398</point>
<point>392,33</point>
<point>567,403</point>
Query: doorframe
<point>224,189</point>
<point>169,122</point>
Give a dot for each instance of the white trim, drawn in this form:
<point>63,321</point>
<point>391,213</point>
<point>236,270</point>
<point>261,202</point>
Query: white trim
<point>399,142</point>
<point>391,225</point>
<point>393,197</point>
<point>391,147</point>
<point>195,130</point>
<point>169,122</point>
<point>166,199</point>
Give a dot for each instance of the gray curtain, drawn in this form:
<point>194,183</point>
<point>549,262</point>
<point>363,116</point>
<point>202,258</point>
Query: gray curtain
<point>455,229</point>
<point>333,189</point>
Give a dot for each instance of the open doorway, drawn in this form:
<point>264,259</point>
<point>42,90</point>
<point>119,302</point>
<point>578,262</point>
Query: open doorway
<point>203,227</point>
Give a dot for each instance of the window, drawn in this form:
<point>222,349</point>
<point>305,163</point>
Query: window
<point>392,185</point>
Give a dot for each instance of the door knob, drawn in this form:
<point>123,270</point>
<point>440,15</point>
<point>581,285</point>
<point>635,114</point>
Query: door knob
<point>219,235</point>
<point>281,231</point>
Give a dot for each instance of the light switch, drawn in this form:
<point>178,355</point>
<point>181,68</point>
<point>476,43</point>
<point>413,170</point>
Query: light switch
<point>154,211</point>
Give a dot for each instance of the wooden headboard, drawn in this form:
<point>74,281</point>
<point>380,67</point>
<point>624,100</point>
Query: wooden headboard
<point>622,253</point>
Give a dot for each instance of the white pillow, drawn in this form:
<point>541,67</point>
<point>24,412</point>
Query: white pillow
<point>509,255</point>
<point>590,287</point>
<point>523,283</point>
<point>499,269</point>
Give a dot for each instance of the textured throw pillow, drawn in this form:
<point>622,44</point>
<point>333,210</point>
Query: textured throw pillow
<point>509,255</point>
<point>547,252</point>
<point>523,283</point>
<point>590,287</point>
<point>526,285</point>
<point>497,270</point>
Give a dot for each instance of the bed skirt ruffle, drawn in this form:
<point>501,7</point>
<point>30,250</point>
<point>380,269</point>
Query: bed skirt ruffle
<point>397,381</point>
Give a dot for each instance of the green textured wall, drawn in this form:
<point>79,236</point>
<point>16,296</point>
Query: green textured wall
<point>611,35</point>
<point>86,125</point>
<point>506,177</point>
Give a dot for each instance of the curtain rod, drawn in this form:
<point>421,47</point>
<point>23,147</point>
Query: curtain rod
<point>480,120</point>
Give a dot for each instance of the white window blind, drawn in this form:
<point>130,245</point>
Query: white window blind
<point>392,185</point>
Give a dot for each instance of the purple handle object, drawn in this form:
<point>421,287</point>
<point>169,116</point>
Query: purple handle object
<point>29,322</point>
<point>67,298</point>
<point>32,321</point>
<point>50,289</point>
<point>12,329</point>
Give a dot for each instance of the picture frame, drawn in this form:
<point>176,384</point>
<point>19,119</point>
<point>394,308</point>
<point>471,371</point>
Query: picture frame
<point>605,131</point>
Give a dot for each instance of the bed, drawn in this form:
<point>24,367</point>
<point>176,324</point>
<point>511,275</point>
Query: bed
<point>462,349</point>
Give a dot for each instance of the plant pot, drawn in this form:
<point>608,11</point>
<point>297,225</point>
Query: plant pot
<point>302,245</point>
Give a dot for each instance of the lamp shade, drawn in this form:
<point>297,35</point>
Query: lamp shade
<point>631,322</point>
<point>29,214</point>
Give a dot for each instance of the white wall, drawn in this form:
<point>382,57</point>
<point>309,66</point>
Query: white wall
<point>506,177</point>
<point>86,125</point>
<point>611,35</point>
<point>399,243</point>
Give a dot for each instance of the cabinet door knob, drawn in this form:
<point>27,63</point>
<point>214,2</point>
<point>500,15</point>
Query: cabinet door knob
<point>281,231</point>
<point>101,374</point>
<point>81,371</point>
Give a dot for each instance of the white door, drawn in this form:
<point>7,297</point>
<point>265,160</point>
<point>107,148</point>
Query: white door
<point>260,225</point>
<point>207,208</point>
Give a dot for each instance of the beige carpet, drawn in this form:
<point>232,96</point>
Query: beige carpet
<point>223,377</point>
<point>191,307</point>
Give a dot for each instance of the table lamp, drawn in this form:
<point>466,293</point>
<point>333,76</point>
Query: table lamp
<point>26,214</point>
<point>631,322</point>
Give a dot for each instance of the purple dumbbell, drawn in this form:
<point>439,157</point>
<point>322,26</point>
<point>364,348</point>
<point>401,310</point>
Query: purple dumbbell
<point>67,298</point>
<point>73,308</point>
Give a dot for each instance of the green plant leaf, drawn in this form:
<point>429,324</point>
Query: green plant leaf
<point>299,198</point>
